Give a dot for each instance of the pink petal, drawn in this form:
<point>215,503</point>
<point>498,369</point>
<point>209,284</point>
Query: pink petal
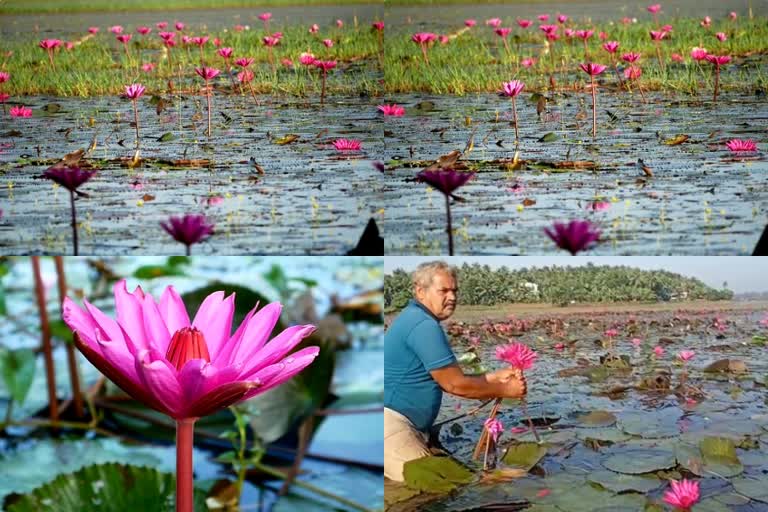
<point>219,398</point>
<point>275,349</point>
<point>287,369</point>
<point>224,357</point>
<point>256,333</point>
<point>198,377</point>
<point>159,379</point>
<point>154,326</point>
<point>173,311</point>
<point>214,319</point>
<point>119,357</point>
<point>129,314</point>
<point>108,327</point>
<point>80,322</point>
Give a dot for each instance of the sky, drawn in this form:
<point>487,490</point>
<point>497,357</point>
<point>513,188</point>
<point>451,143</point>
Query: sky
<point>743,273</point>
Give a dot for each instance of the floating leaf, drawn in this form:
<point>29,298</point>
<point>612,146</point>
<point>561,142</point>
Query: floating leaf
<point>618,482</point>
<point>287,139</point>
<point>18,370</point>
<point>425,105</point>
<point>166,137</point>
<point>610,435</point>
<point>678,139</point>
<point>720,457</point>
<point>635,461</point>
<point>524,455</point>
<point>436,474</point>
<point>549,137</point>
<point>597,419</point>
<point>754,487</point>
<point>661,423</point>
<point>51,108</point>
<point>727,366</point>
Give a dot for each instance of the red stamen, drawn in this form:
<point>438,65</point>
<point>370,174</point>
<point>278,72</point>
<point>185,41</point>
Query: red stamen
<point>187,343</point>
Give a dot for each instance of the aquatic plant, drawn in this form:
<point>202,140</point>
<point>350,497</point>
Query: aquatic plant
<point>324,66</point>
<point>446,181</point>
<point>717,61</point>
<point>133,92</point>
<point>347,144</point>
<point>392,110</point>
<point>70,178</point>
<point>189,230</point>
<point>423,39</point>
<point>49,45</point>
<point>511,90</point>
<point>20,111</point>
<point>208,74</point>
<point>265,17</point>
<point>683,494</point>
<point>741,145</point>
<point>593,70</point>
<point>574,237</point>
<point>187,369</point>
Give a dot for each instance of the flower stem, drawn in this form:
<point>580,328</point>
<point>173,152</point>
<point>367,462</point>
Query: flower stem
<point>717,81</point>
<point>208,94</point>
<point>50,58</point>
<point>424,53</point>
<point>530,421</point>
<point>74,221</point>
<point>322,92</point>
<point>185,431</point>
<point>136,120</point>
<point>514,114</point>
<point>594,108</point>
<point>449,228</point>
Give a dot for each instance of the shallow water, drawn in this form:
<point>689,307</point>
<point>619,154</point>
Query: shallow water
<point>700,200</point>
<point>310,199</point>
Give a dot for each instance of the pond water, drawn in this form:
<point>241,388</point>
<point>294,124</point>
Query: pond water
<point>700,200</point>
<point>600,425</point>
<point>310,198</point>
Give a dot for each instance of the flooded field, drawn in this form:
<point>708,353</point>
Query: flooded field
<point>614,429</point>
<point>700,199</point>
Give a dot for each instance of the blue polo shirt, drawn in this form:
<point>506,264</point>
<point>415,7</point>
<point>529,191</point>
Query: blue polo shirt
<point>414,345</point>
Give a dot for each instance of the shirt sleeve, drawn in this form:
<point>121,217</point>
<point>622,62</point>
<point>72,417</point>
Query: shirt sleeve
<point>429,343</point>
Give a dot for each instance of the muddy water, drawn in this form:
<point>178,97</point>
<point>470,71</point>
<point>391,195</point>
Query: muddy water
<point>311,199</point>
<point>700,199</point>
<point>213,19</point>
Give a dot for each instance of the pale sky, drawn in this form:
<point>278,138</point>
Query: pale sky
<point>743,273</point>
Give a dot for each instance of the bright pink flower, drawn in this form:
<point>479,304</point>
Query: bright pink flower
<point>698,53</point>
<point>378,25</point>
<point>307,59</point>
<point>598,206</point>
<point>611,333</point>
<point>446,181</point>
<point>4,77</point>
<point>325,65</point>
<point>658,350</point>
<point>513,88</point>
<point>721,36</point>
<point>134,91</point>
<point>244,62</point>
<point>667,29</point>
<point>518,430</point>
<point>143,30</point>
<point>524,23</point>
<point>245,76</point>
<point>148,67</point>
<point>611,46</point>
<point>69,177</point>
<point>216,42</point>
<point>288,63</point>
<point>528,62</point>
<point>124,38</point>
<point>655,8</point>
<point>637,342</point>
<point>584,34</point>
<point>265,16</point>
<point>592,69</point>
<point>270,41</point>
<point>4,97</point>
<point>225,52</point>
<point>740,145</point>
<point>161,25</point>
<point>444,39</point>
<point>630,57</point>
<point>167,36</point>
<point>313,29</point>
<point>207,73</point>
<point>347,145</point>
<point>633,73</point>
<point>470,23</point>
<point>49,44</point>
<point>718,60</point>
<point>685,355</point>
<point>503,32</point>
<point>574,237</point>
<point>93,30</point>
<point>603,35</point>
<point>543,17</point>
<point>493,22</point>
<point>328,43</point>
<point>676,57</point>
<point>569,32</point>
<point>733,16</point>
<point>189,229</point>
<point>562,18</point>
<point>392,110</point>
<point>683,494</point>
<point>20,111</point>
<point>200,40</point>
<point>706,22</point>
<point>187,369</point>
<point>658,35</point>
<point>339,23</point>
<point>548,29</point>
<point>517,355</point>
<point>117,29</point>
<point>559,346</point>
<point>495,428</point>
<point>179,26</point>
<point>423,37</point>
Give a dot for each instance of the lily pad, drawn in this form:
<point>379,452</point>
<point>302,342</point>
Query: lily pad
<point>436,474</point>
<point>727,366</point>
<point>754,487</point>
<point>395,492</point>
<point>597,419</point>
<point>524,455</point>
<point>610,435</point>
<point>634,461</point>
<point>720,456</point>
<point>618,482</point>
<point>655,424</point>
<point>107,488</point>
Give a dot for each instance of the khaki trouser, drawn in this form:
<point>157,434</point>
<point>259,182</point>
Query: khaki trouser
<point>402,442</point>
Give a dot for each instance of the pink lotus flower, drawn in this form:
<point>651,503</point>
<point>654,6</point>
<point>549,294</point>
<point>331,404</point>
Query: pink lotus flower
<point>446,181</point>
<point>637,342</point>
<point>270,41</point>
<point>470,23</point>
<point>288,63</point>
<point>584,34</point>
<point>592,69</point>
<point>611,333</point>
<point>245,76</point>
<point>143,30</point>
<point>517,355</point>
<point>543,17</point>
<point>167,36</point>
<point>513,88</point>
<point>685,355</point>
<point>50,44</point>
<point>307,59</point>
<point>392,110</point>
<point>244,62</point>
<point>4,77</point>
<point>548,29</point>
<point>633,73</point>
<point>314,28</point>
<point>378,25</point>
<point>698,53</point>
<point>495,428</point>
<point>328,43</point>
<point>124,38</point>
<point>161,25</point>
<point>200,40</point>
<point>518,430</point>
<point>444,39</point>
<point>134,91</point>
<point>148,67</point>
<point>69,177</point>
<point>658,350</point>
<point>339,23</point>
<point>503,31</point>
<point>524,23</point>
<point>721,36</point>
<point>611,46</point>
<point>630,57</point>
<point>558,346</point>
<point>265,16</point>
<point>325,65</point>
<point>528,62</point>
<point>347,145</point>
<point>20,111</point>
<point>207,73</point>
<point>733,16</point>
<point>658,35</point>
<point>598,206</point>
<point>493,22</point>
<point>574,237</point>
<point>117,29</point>
<point>423,37</point>
<point>718,60</point>
<point>562,18</point>
<point>189,229</point>
<point>706,22</point>
<point>655,8</point>
<point>676,57</point>
<point>93,30</point>
<point>225,52</point>
<point>179,26</point>
<point>683,494</point>
<point>187,369</point>
<point>741,145</point>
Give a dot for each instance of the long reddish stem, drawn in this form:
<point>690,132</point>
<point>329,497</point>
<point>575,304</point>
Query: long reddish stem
<point>322,92</point>
<point>594,108</point>
<point>45,330</point>
<point>449,227</point>
<point>74,222</point>
<point>136,120</point>
<point>50,58</point>
<point>717,81</point>
<point>514,114</point>
<point>424,52</point>
<point>74,378</point>
<point>209,93</point>
<point>185,432</point>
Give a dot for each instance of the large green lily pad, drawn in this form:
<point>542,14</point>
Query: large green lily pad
<point>753,487</point>
<point>636,461</point>
<point>610,435</point>
<point>106,488</point>
<point>524,455</point>
<point>597,419</point>
<point>653,424</point>
<point>436,474</point>
<point>720,456</point>
<point>618,482</point>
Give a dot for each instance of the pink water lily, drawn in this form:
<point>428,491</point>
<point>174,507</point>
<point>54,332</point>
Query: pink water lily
<point>576,236</point>
<point>186,369</point>
<point>683,494</point>
<point>698,53</point>
<point>658,350</point>
<point>495,428</point>
<point>741,145</point>
<point>347,144</point>
<point>517,355</point>
<point>392,110</point>
<point>685,355</point>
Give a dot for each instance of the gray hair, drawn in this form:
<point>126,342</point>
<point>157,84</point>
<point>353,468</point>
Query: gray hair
<point>426,271</point>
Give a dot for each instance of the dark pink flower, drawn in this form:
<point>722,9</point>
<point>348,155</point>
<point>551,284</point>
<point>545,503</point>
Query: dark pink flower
<point>655,8</point>
<point>718,60</point>
<point>423,37</point>
<point>392,110</point>
<point>189,229</point>
<point>69,177</point>
<point>244,62</point>
<point>630,57</point>
<point>524,23</point>
<point>592,69</point>
<point>143,30</point>
<point>207,73</point>
<point>347,144</point>
<point>20,111</point>
<point>683,494</point>
<point>740,145</point>
<point>611,46</point>
<point>446,181</point>
<point>574,237</point>
<point>517,355</point>
<point>470,23</point>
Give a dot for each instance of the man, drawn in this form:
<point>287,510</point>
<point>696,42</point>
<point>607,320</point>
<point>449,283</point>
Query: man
<point>419,365</point>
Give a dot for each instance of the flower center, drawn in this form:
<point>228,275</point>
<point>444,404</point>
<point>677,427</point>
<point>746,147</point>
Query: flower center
<point>187,343</point>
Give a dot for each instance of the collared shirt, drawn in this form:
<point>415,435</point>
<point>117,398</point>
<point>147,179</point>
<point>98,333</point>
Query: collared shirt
<point>414,345</point>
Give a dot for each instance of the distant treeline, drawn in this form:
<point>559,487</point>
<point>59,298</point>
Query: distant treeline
<point>481,285</point>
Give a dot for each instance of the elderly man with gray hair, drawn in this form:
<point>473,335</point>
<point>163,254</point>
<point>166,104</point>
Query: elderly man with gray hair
<point>419,365</point>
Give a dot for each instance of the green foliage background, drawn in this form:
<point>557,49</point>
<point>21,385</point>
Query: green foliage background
<point>482,285</point>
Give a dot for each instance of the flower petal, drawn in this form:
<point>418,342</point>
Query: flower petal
<point>226,351</point>
<point>273,351</point>
<point>154,326</point>
<point>106,327</point>
<point>81,322</point>
<point>130,315</point>
<point>198,377</point>
<point>159,378</point>
<point>219,398</point>
<point>214,319</point>
<point>256,333</point>
<point>173,311</point>
<point>287,369</point>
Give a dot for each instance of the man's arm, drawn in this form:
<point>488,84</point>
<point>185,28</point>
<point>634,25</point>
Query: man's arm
<point>504,384</point>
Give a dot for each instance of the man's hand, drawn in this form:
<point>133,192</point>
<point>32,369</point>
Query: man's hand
<point>503,375</point>
<point>512,380</point>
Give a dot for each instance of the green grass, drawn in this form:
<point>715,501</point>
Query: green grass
<point>98,65</point>
<point>476,61</point>
<point>60,6</point>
